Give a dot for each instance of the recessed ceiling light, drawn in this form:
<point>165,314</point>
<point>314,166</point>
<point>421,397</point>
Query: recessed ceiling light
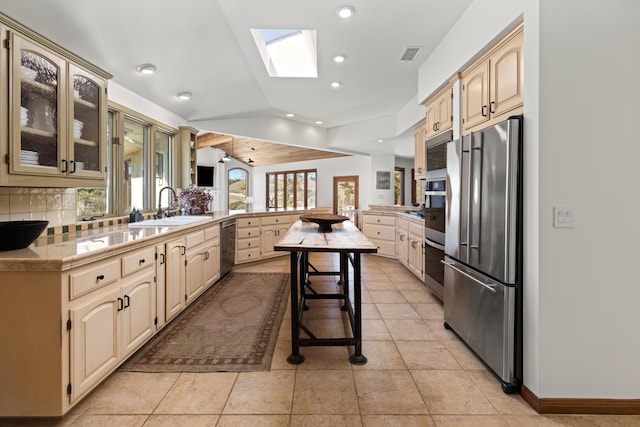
<point>146,68</point>
<point>290,115</point>
<point>379,140</point>
<point>335,85</point>
<point>319,122</point>
<point>345,12</point>
<point>183,95</point>
<point>339,58</point>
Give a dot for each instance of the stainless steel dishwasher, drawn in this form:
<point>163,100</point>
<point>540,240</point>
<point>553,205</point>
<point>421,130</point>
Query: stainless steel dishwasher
<point>227,246</point>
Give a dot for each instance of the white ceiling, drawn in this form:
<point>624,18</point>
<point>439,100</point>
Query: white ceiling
<point>205,47</point>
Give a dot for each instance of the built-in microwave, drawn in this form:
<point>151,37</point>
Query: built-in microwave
<point>436,156</point>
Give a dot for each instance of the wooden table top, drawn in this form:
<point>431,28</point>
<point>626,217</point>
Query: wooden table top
<point>345,237</point>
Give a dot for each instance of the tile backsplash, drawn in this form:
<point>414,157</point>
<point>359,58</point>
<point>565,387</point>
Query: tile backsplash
<point>56,205</point>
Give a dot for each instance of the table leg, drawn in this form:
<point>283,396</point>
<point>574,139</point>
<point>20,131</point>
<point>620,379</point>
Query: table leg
<point>295,358</point>
<point>357,358</point>
<point>344,279</point>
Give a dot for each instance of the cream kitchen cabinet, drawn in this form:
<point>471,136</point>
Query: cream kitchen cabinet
<point>212,249</point>
<point>247,239</point>
<point>175,277</point>
<point>273,228</point>
<point>439,110</point>
<point>202,261</point>
<point>415,258</point>
<point>402,240</point>
<point>138,311</point>
<point>493,86</point>
<point>419,137</point>
<point>381,230</point>
<point>94,339</point>
<point>109,328</point>
<point>88,312</point>
<point>161,283</point>
<point>57,119</point>
<point>108,325</point>
<point>189,156</point>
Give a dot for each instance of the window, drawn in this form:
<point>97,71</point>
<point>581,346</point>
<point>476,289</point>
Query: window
<point>164,142</point>
<point>291,189</point>
<point>287,53</point>
<point>97,201</point>
<point>140,161</point>
<point>237,189</point>
<point>398,186</point>
<point>136,145</point>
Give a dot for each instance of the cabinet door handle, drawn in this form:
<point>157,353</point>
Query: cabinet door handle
<point>484,111</point>
<point>64,166</point>
<point>126,301</point>
<point>492,107</point>
<point>120,304</point>
<point>433,128</point>
<point>100,277</point>
<point>437,125</point>
<point>183,250</point>
<point>161,259</point>
<point>73,166</point>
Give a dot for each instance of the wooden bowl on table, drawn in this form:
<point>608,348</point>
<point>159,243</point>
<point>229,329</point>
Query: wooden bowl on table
<point>324,221</point>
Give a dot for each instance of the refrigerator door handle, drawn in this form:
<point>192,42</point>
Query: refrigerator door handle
<point>475,193</point>
<point>468,207</point>
<point>490,288</point>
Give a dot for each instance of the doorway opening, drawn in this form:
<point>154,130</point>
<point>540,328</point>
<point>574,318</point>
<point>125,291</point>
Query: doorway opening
<point>345,196</point>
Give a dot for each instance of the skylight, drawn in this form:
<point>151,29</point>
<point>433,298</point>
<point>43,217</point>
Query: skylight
<point>287,53</point>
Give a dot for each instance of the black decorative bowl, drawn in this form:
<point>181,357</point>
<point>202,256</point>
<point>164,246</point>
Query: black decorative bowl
<point>324,221</point>
<point>20,234</point>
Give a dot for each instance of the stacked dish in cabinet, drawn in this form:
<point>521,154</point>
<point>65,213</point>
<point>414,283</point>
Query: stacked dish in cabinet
<point>77,128</point>
<point>24,114</point>
<point>28,157</point>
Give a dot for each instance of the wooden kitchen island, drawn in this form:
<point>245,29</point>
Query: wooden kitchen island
<point>346,240</point>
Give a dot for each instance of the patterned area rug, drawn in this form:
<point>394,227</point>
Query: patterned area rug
<point>233,326</point>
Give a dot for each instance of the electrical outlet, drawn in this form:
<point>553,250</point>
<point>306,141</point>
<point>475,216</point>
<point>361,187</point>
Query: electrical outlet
<point>563,217</point>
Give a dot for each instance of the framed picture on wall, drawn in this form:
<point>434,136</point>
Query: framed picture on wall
<point>383,180</point>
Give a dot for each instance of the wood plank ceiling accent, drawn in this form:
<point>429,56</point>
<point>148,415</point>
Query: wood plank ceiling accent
<point>261,152</point>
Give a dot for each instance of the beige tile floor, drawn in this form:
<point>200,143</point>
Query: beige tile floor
<point>418,374</point>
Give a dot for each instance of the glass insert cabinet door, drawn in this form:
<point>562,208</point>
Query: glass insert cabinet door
<point>58,115</point>
<point>87,125</point>
<point>38,84</point>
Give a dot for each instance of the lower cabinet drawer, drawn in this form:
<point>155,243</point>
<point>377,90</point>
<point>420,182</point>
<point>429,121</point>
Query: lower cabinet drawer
<point>248,243</point>
<point>138,260</point>
<point>243,233</point>
<point>90,278</point>
<point>247,254</point>
<point>380,232</point>
<point>385,247</point>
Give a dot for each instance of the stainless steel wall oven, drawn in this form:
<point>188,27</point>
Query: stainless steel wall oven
<point>435,199</point>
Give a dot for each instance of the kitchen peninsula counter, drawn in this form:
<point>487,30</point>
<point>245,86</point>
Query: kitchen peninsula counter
<point>69,250</point>
<point>74,306</point>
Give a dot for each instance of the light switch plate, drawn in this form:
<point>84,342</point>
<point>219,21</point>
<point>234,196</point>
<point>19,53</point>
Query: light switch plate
<point>563,217</point>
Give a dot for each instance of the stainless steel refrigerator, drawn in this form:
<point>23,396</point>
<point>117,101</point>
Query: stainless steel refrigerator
<point>483,246</point>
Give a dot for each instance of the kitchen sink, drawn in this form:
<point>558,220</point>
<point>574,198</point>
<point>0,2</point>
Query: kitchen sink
<point>172,221</point>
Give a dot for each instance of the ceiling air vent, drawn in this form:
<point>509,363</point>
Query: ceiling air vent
<point>410,53</point>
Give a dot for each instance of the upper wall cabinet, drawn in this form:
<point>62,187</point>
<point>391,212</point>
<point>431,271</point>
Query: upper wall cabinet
<point>56,114</point>
<point>439,112</point>
<point>492,87</point>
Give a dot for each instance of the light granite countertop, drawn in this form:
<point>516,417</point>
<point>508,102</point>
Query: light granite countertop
<point>68,250</point>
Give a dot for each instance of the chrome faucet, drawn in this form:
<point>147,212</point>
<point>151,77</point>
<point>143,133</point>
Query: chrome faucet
<point>173,203</point>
